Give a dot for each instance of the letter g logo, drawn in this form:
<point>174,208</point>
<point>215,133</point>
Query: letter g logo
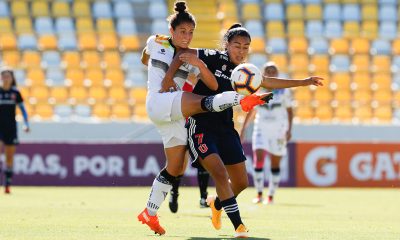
<point>320,166</point>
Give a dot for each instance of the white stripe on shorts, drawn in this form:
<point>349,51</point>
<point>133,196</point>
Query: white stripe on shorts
<point>192,129</point>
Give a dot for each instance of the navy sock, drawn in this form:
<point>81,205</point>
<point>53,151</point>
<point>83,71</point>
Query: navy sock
<point>202,177</point>
<point>232,210</point>
<point>218,204</point>
<point>8,174</point>
<point>207,104</point>
<point>176,184</point>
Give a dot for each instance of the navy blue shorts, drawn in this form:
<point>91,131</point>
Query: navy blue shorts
<point>9,136</point>
<point>224,142</point>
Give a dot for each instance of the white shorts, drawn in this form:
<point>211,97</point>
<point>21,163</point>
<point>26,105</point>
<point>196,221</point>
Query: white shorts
<point>165,111</point>
<point>271,137</point>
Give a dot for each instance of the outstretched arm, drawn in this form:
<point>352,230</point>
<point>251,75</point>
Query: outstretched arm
<point>205,74</point>
<point>189,56</point>
<point>276,83</point>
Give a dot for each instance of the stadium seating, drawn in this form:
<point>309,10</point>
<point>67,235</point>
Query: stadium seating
<point>87,53</point>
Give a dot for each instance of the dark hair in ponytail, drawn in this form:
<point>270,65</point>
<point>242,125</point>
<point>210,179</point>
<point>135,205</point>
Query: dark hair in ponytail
<point>11,72</point>
<point>181,15</point>
<point>235,30</point>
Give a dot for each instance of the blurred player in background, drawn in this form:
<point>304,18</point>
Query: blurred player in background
<point>272,131</point>
<point>213,140</point>
<point>10,97</point>
<point>168,109</point>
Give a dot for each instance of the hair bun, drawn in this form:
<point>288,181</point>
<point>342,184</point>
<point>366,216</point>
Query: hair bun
<point>180,7</point>
<point>236,25</point>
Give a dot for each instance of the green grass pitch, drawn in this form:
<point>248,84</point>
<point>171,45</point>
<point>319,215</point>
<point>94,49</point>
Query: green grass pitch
<point>45,213</point>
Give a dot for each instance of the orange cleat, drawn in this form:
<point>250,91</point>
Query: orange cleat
<point>151,221</point>
<point>250,101</point>
<point>215,214</point>
<point>7,190</point>
<point>241,232</point>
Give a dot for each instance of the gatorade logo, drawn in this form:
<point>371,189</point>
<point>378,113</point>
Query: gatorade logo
<point>320,166</point>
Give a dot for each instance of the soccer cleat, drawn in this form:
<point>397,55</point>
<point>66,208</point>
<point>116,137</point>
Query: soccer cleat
<point>7,190</point>
<point>173,202</point>
<point>151,221</point>
<point>269,201</point>
<point>258,199</point>
<point>250,101</point>
<point>241,232</point>
<point>203,203</point>
<point>215,214</point>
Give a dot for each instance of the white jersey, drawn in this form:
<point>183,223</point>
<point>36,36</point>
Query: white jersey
<point>276,109</point>
<point>164,109</point>
<point>161,52</point>
<point>271,123</point>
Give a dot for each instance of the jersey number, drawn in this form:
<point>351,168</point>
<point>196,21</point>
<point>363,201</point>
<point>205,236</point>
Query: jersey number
<point>202,146</point>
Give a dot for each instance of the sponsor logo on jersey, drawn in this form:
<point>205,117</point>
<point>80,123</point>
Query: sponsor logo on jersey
<point>162,51</point>
<point>218,73</point>
<point>209,52</point>
<point>223,57</point>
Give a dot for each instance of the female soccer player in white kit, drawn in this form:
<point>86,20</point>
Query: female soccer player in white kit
<point>168,110</point>
<point>272,131</point>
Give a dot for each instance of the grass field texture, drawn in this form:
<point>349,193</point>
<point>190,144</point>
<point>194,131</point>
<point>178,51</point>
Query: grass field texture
<point>110,213</point>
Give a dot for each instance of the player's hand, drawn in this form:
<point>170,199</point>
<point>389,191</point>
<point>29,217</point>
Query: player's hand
<point>242,136</point>
<point>168,85</point>
<point>191,59</point>
<point>288,135</point>
<point>316,81</point>
<point>26,129</point>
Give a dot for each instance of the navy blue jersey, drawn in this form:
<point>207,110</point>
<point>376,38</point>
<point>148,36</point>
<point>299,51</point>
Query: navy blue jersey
<point>218,63</point>
<point>8,101</point>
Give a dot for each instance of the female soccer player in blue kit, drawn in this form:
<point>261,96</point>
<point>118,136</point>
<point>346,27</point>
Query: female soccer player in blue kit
<point>10,97</point>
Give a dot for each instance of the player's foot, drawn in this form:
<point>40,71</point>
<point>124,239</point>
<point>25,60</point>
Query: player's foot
<point>258,199</point>
<point>269,201</point>
<point>203,203</point>
<point>7,190</point>
<point>173,202</point>
<point>241,232</point>
<point>250,101</point>
<point>151,221</point>
<point>215,214</point>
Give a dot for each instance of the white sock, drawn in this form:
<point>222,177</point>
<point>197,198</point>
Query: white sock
<point>274,179</point>
<point>258,178</point>
<point>159,192</point>
<point>221,101</point>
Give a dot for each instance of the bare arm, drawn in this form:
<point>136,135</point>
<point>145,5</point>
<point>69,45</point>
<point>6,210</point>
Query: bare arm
<point>276,83</point>
<point>145,57</point>
<point>290,120</point>
<point>168,81</point>
<point>189,56</point>
<point>205,74</point>
<point>249,118</point>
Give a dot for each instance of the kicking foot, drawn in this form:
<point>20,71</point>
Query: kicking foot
<point>250,101</point>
